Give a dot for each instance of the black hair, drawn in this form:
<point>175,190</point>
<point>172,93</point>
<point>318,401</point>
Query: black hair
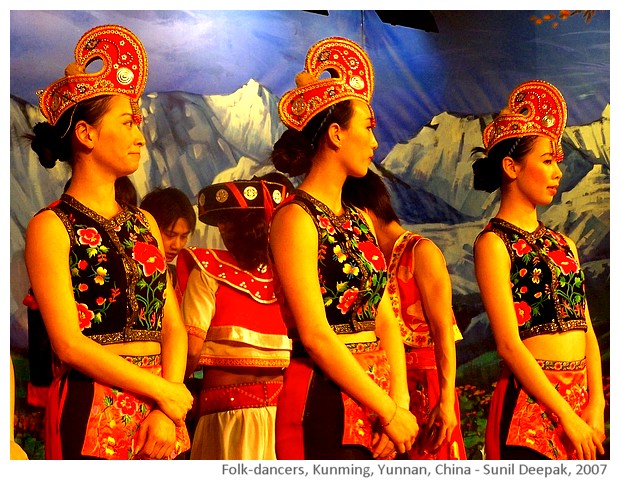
<point>370,192</point>
<point>488,170</point>
<point>293,152</point>
<point>167,205</point>
<point>55,143</point>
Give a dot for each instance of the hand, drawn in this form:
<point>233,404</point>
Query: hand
<point>156,437</point>
<point>175,401</point>
<point>382,447</point>
<point>402,429</point>
<point>441,423</point>
<point>586,440</point>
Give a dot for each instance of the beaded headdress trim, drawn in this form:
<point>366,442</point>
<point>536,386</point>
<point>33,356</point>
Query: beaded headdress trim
<point>124,72</point>
<point>351,73</point>
<point>535,107</point>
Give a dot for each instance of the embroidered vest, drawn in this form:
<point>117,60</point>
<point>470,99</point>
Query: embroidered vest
<point>548,286</point>
<point>352,270</point>
<point>117,271</point>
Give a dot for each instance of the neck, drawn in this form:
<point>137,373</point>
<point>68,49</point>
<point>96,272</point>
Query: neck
<point>325,185</point>
<point>521,214</point>
<point>94,192</point>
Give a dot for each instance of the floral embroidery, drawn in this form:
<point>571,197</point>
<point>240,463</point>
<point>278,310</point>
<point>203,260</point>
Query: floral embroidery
<point>351,266</point>
<point>546,281</point>
<point>117,271</point>
<point>89,236</point>
<point>523,311</point>
<point>150,257</point>
<point>85,316</point>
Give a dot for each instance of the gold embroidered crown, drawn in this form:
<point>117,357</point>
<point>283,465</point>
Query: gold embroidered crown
<point>351,73</point>
<point>535,107</point>
<point>124,71</point>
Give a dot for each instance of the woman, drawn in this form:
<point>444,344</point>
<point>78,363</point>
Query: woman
<point>549,402</point>
<point>345,393</point>
<point>235,329</point>
<point>421,296</point>
<point>98,273</point>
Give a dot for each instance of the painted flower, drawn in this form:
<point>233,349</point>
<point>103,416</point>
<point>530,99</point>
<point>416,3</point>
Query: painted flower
<point>521,247</point>
<point>566,263</point>
<point>536,273</point>
<point>347,299</point>
<point>85,316</point>
<point>372,254</point>
<point>149,257</point>
<point>523,311</point>
<point>89,236</point>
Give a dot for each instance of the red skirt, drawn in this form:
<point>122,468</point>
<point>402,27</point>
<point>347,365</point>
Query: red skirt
<point>307,389</point>
<point>530,424</point>
<point>86,418</point>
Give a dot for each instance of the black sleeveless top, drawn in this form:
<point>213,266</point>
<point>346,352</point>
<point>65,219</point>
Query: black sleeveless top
<point>548,286</point>
<point>117,271</point>
<point>352,269</point>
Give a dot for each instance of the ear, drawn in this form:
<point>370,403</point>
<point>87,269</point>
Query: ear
<point>334,132</point>
<point>510,167</point>
<point>84,133</point>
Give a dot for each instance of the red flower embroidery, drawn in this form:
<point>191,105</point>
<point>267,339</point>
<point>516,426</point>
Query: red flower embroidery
<point>82,287</point>
<point>85,315</point>
<point>325,224</point>
<point>100,301</point>
<point>149,257</point>
<point>82,264</point>
<point>89,236</point>
<point>347,299</point>
<point>372,254</point>
<point>126,404</point>
<point>347,225</point>
<point>523,311</point>
<point>566,264</point>
<point>521,247</point>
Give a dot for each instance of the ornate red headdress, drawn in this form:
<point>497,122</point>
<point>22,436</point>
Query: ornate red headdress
<point>124,71</point>
<point>534,108</point>
<point>351,77</point>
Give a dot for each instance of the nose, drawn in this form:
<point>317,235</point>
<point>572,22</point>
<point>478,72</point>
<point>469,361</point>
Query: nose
<point>558,170</point>
<point>140,140</point>
<point>374,144</point>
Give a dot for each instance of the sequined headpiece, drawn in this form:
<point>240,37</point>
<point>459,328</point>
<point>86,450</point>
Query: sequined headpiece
<point>219,201</point>
<point>351,77</point>
<point>124,72</point>
<point>534,108</point>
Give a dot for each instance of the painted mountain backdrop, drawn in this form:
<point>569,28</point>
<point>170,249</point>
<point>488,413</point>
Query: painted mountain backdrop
<point>194,140</point>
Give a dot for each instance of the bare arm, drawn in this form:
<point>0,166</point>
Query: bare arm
<point>492,267</point>
<point>51,283</point>
<point>292,230</point>
<point>431,276</point>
